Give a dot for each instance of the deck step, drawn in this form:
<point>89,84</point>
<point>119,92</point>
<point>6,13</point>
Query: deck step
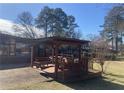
<point>81,77</point>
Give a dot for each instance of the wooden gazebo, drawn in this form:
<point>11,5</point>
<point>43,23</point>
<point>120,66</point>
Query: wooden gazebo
<point>69,58</point>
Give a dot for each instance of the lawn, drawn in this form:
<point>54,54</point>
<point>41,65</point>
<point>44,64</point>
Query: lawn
<point>29,78</point>
<point>113,71</point>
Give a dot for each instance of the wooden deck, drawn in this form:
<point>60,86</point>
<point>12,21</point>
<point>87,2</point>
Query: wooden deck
<point>67,77</point>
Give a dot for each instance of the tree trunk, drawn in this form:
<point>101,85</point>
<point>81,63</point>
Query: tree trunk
<point>112,44</point>
<point>102,64</point>
<point>102,68</point>
<point>116,43</point>
<point>121,50</point>
<point>46,30</point>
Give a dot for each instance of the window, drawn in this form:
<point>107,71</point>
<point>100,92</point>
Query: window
<point>4,49</point>
<point>7,48</point>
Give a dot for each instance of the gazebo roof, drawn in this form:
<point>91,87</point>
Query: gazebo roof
<point>54,39</point>
<point>60,40</point>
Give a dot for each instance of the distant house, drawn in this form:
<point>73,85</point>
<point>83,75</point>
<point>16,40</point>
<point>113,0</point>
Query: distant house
<point>12,47</point>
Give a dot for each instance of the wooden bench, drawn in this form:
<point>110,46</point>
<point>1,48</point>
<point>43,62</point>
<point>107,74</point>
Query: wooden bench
<point>42,61</point>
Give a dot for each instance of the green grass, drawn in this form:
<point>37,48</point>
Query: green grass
<point>113,71</point>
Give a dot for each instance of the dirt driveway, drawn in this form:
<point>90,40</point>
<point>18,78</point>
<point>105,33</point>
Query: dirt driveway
<point>10,79</point>
<point>24,77</point>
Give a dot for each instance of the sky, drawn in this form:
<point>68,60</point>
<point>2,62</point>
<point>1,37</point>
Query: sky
<point>89,17</point>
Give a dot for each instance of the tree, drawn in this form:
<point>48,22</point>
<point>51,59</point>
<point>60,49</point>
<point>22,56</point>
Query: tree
<point>60,23</point>
<point>71,32</point>
<point>114,25</point>
<point>56,22</point>
<point>99,50</point>
<point>45,19</point>
<point>25,25</point>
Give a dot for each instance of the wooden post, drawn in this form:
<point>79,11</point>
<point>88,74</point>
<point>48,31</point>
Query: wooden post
<point>32,55</point>
<point>45,47</point>
<point>15,48</point>
<point>87,58</point>
<point>56,61</point>
<point>79,55</point>
<point>53,54</point>
<point>8,49</point>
